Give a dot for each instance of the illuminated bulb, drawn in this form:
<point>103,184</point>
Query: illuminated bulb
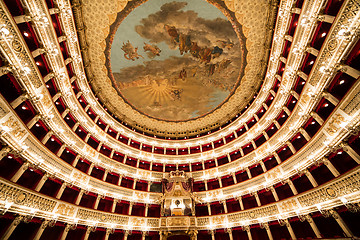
<point>323,69</point>
<point>343,200</point>
<point>27,70</point>
<point>312,62</point>
<point>8,204</point>
<point>323,34</point>
<point>341,82</point>
<point>342,32</point>
<point>23,108</point>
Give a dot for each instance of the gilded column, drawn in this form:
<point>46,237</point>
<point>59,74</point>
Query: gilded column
<point>20,172</point>
<point>40,231</point>
<point>331,167</point>
<point>341,223</point>
<point>229,231</point>
<point>88,231</point>
<point>285,222</point>
<point>78,198</point>
<point>273,191</point>
<point>61,190</point>
<point>311,178</point>
<point>4,151</point>
<point>247,229</point>
<point>108,232</point>
<point>267,228</point>
<point>114,205</point>
<point>313,226</point>
<point>67,228</point>
<point>12,227</point>
<point>41,182</point>
<point>292,186</point>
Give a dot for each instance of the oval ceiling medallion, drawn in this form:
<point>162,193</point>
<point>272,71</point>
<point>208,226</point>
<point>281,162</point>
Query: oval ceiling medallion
<point>175,60</point>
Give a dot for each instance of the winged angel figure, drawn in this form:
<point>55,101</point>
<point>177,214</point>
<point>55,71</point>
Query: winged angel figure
<point>130,51</point>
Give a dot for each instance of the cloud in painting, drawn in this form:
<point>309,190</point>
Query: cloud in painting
<point>203,31</point>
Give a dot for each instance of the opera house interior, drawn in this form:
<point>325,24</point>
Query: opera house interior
<point>95,144</point>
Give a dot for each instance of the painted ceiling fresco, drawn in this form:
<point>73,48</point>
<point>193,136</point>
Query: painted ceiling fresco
<point>176,60</point>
